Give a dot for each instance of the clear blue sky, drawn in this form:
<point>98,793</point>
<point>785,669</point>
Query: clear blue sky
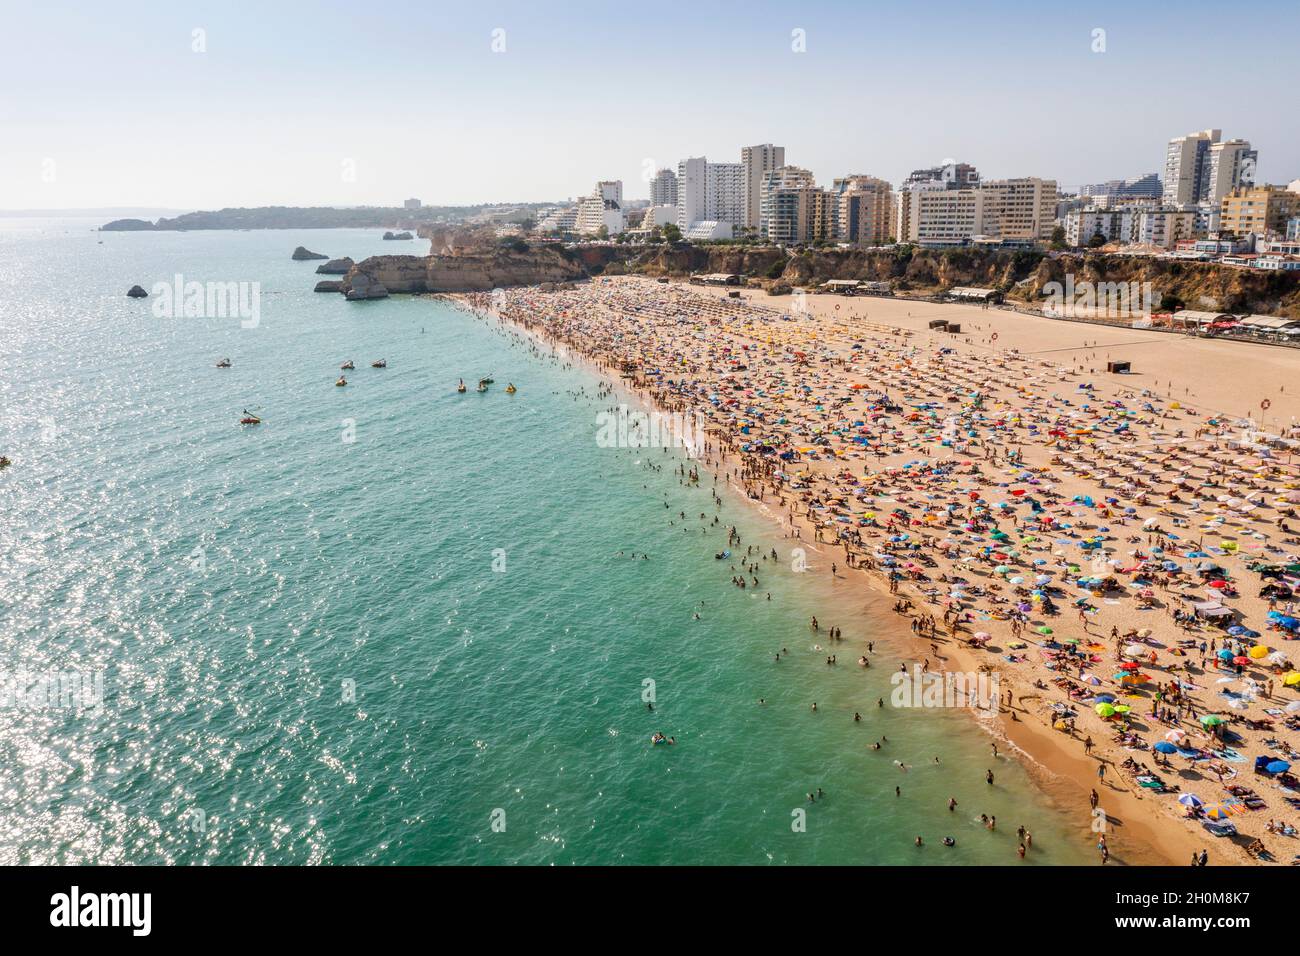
<point>109,105</point>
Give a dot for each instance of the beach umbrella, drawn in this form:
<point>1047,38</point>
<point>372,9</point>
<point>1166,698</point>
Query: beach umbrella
<point>1277,766</point>
<point>1211,720</point>
<point>1258,651</point>
<point>1293,707</point>
<point>1241,660</point>
<point>1165,747</point>
<point>1106,710</point>
<point>1047,630</point>
<point>1219,812</point>
<point>1225,655</point>
<point>1191,800</point>
<point>1176,735</point>
<point>1122,708</point>
<point>1135,650</point>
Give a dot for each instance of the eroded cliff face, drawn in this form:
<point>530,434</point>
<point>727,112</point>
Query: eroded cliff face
<point>1020,275</point>
<point>1197,285</point>
<point>379,276</point>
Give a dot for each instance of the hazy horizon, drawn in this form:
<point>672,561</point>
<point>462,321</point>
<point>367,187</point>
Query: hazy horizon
<point>152,106</point>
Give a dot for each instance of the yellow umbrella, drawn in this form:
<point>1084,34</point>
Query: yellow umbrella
<point>1258,651</point>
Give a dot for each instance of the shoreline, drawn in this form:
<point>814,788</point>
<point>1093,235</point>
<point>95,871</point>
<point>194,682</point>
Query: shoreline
<point>1060,776</point>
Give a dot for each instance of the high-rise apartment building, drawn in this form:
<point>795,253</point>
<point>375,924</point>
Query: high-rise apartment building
<point>791,210</point>
<point>864,207</point>
<point>757,162</point>
<point>1201,169</point>
<point>709,192</point>
<point>1228,165</point>
<point>1185,161</point>
<point>663,188</point>
<point>932,214</point>
<point>1018,208</point>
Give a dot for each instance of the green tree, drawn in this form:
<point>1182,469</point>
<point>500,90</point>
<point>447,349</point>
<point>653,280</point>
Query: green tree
<point>672,233</point>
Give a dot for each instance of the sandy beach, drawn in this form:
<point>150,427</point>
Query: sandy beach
<point>1116,551</point>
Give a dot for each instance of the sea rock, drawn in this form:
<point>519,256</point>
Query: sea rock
<point>301,254</point>
<point>329,285</point>
<point>136,292</point>
<point>397,235</point>
<point>336,267</point>
<point>361,286</point>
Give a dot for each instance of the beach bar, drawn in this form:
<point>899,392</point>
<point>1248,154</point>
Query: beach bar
<point>715,278</point>
<point>971,294</point>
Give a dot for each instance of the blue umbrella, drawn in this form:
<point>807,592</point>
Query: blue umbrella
<point>1165,747</point>
<point>1278,766</point>
<point>1105,698</point>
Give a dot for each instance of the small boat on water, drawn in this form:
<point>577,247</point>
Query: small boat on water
<point>250,419</point>
<point>382,363</point>
<point>348,365</point>
<point>341,382</point>
<point>481,387</point>
<point>224,363</point>
<point>510,389</point>
<point>461,387</point>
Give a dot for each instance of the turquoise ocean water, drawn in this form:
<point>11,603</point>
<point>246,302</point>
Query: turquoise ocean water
<point>229,584</point>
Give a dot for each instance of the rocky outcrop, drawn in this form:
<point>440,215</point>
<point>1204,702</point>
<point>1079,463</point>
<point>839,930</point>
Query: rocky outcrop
<point>336,267</point>
<point>329,285</point>
<point>362,286</point>
<point>464,273</point>
<point>397,235</point>
<point>302,254</point>
<point>136,292</point>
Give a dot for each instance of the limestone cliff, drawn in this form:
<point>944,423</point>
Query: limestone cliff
<point>1020,275</point>
<point>461,273</point>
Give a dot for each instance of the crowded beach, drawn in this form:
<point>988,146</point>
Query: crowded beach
<point>1119,550</point>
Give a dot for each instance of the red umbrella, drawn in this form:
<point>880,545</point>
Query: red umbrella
<point>1243,661</point>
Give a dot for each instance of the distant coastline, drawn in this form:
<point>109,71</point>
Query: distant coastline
<point>301,217</point>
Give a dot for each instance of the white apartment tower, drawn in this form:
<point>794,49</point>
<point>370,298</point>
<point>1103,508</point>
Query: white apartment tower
<point>709,192</point>
<point>1185,162</point>
<point>757,162</point>
<point>1228,165</point>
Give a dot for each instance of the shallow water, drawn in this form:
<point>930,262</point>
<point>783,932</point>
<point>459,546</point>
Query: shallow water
<point>228,583</point>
